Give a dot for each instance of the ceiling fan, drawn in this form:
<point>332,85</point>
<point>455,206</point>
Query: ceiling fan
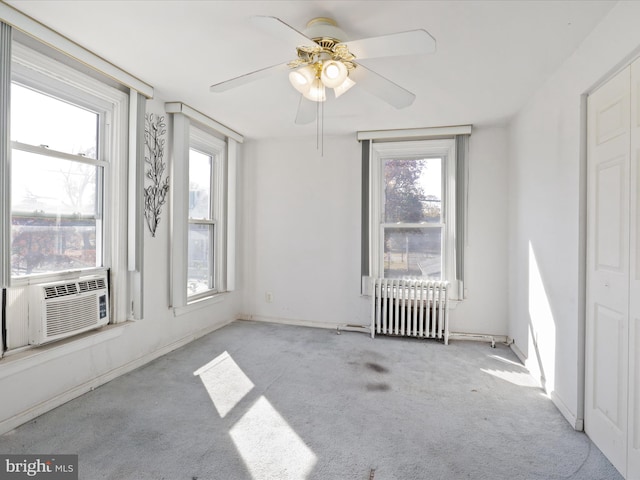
<point>327,60</point>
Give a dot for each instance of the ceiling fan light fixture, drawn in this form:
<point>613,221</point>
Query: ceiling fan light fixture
<point>317,91</point>
<point>343,87</point>
<point>333,73</point>
<point>302,79</point>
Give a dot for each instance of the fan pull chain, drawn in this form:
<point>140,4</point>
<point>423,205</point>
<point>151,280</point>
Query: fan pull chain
<point>322,130</point>
<point>320,127</point>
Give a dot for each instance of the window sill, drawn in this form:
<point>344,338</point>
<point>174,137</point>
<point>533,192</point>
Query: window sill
<point>38,279</point>
<point>14,363</point>
<point>199,304</point>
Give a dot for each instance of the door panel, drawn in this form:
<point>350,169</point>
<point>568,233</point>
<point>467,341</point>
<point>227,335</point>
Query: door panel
<point>609,226</point>
<point>608,366</point>
<point>607,324</point>
<point>633,454</point>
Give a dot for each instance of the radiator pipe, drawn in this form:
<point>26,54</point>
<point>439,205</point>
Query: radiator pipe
<point>352,328</point>
<point>474,336</point>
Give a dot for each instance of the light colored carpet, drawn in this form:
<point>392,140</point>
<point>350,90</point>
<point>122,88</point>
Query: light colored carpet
<point>279,402</point>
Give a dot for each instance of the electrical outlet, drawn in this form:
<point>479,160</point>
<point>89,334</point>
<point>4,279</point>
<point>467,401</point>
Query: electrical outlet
<point>268,296</point>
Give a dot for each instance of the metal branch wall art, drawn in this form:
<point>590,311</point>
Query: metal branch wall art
<point>155,195</point>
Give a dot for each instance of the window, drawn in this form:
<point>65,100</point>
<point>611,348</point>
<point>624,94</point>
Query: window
<point>412,214</point>
<point>69,169</point>
<point>204,159</point>
<point>69,123</point>
<point>58,172</point>
<point>203,172</point>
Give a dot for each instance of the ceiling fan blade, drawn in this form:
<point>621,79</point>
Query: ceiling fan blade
<point>307,111</point>
<point>413,42</point>
<point>248,77</point>
<point>376,84</point>
<point>277,28</point>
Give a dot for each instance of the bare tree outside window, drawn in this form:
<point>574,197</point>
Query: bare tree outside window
<point>412,218</point>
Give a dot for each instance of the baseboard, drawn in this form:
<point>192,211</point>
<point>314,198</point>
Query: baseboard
<point>60,399</point>
<point>303,323</point>
<point>521,356</point>
<point>574,421</point>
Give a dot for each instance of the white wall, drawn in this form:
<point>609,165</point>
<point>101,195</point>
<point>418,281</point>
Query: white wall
<point>484,310</point>
<point>32,385</point>
<point>546,212</point>
<point>302,233</point>
<point>302,242</point>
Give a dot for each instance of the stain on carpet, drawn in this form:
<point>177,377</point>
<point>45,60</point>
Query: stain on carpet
<point>376,367</point>
<point>378,387</point>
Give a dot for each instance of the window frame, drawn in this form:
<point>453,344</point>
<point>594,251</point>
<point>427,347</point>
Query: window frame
<point>186,124</point>
<point>213,147</point>
<point>436,148</point>
<point>44,74</point>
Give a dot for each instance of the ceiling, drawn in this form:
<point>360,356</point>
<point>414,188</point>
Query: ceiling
<point>491,55</point>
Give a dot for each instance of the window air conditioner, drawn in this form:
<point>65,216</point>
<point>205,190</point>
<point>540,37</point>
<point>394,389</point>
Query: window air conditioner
<point>61,309</point>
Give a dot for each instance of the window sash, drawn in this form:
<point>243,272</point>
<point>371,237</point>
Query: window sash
<point>211,286</point>
<point>36,114</point>
<point>211,184</point>
<point>443,183</point>
<point>65,93</point>
<point>30,71</point>
<point>40,150</point>
<point>199,145</point>
<point>412,228</point>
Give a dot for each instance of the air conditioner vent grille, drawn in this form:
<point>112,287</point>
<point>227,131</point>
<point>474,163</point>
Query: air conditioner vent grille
<point>59,310</point>
<point>93,284</point>
<point>61,290</point>
<point>69,315</point>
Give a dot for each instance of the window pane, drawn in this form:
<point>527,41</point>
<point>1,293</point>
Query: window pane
<point>38,119</point>
<point>199,185</point>
<point>413,190</point>
<point>45,244</point>
<point>54,222</point>
<point>415,252</point>
<point>199,263</point>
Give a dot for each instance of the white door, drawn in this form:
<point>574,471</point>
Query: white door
<point>633,463</point>
<point>607,312</point>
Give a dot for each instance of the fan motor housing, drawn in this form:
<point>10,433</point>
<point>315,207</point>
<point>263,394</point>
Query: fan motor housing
<point>325,30</point>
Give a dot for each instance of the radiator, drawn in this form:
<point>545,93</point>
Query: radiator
<point>410,308</point>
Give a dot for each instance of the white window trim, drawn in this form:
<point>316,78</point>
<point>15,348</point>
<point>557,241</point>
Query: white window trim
<point>381,151</point>
<point>414,133</point>
<point>181,119</point>
<point>35,68</point>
